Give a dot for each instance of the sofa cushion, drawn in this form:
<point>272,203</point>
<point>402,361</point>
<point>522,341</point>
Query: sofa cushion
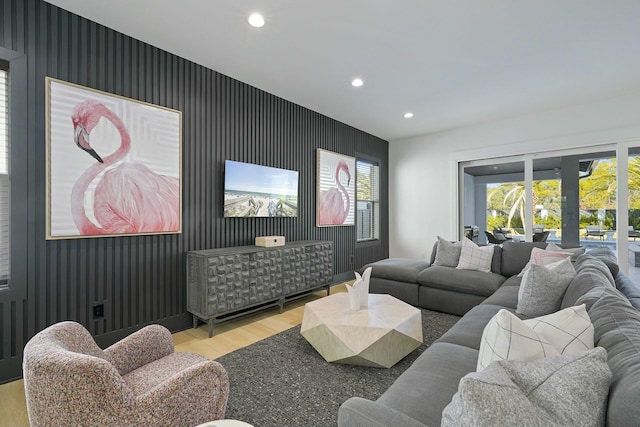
<point>587,262</point>
<point>582,283</point>
<point>400,269</point>
<point>630,289</point>
<point>468,330</point>
<point>474,257</point>
<point>465,281</point>
<point>506,297</point>
<point>567,390</point>
<point>608,257</point>
<point>617,329</point>
<point>515,255</point>
<point>593,295</point>
<point>407,292</point>
<point>447,253</point>
<point>424,389</point>
<point>506,337</point>
<point>542,288</point>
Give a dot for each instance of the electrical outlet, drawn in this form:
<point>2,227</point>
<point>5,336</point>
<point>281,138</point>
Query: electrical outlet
<point>98,311</point>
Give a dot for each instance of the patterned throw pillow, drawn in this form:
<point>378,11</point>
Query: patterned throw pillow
<point>541,289</point>
<point>447,253</point>
<point>544,257</point>
<point>506,337</point>
<point>474,257</point>
<point>569,330</point>
<point>566,390</point>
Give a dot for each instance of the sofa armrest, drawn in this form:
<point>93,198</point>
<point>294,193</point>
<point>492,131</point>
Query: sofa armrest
<point>150,343</point>
<point>359,412</point>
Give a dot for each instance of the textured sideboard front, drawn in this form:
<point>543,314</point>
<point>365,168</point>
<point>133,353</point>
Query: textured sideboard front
<point>221,282</point>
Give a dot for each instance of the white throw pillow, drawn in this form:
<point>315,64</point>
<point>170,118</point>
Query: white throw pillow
<point>474,257</point>
<point>506,337</point>
<point>541,289</point>
<point>544,257</point>
<point>569,330</point>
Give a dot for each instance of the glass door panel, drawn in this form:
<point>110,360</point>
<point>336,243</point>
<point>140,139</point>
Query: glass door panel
<point>547,199</point>
<point>597,201</point>
<point>492,200</point>
<point>633,222</point>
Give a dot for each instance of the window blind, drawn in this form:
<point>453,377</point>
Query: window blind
<point>368,203</point>
<point>4,174</point>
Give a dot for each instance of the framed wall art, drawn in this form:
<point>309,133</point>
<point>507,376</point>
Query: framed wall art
<point>114,164</point>
<point>336,184</point>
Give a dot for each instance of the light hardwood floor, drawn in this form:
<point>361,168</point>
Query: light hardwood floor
<point>227,337</point>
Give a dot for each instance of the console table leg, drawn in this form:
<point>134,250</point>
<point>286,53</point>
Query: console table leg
<point>210,323</point>
<point>195,321</point>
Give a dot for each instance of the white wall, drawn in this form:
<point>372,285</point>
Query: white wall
<point>422,190</point>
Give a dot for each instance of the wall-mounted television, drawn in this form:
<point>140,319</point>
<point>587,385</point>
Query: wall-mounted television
<point>252,190</point>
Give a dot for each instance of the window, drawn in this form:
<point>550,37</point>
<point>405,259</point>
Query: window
<point>4,174</point>
<point>367,200</point>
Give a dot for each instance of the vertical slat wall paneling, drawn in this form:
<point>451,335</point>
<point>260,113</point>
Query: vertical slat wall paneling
<point>141,279</point>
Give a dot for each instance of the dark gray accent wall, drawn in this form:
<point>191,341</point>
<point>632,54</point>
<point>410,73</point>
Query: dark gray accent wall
<point>141,280</point>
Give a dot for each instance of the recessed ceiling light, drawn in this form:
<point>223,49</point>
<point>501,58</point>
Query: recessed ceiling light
<point>357,82</point>
<point>256,20</point>
<point>408,115</point>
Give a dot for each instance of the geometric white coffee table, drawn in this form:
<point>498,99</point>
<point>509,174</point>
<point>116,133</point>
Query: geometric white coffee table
<point>379,335</point>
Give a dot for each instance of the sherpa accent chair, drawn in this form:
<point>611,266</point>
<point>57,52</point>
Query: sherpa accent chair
<point>138,381</point>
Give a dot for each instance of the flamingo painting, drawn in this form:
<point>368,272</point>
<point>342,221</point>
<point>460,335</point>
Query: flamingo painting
<point>128,197</point>
<point>335,204</point>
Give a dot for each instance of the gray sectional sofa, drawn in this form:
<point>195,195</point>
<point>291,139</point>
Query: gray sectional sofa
<point>419,395</point>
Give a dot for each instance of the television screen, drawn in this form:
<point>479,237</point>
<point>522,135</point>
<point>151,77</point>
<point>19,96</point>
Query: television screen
<point>259,191</point>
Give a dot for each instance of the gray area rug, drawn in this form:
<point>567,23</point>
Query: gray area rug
<point>282,381</point>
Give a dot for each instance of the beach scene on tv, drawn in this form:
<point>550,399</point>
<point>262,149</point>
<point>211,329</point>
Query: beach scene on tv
<point>259,191</point>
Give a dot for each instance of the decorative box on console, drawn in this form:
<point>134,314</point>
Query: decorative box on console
<point>269,241</point>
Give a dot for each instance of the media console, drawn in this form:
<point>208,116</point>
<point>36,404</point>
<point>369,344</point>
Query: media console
<point>225,283</point>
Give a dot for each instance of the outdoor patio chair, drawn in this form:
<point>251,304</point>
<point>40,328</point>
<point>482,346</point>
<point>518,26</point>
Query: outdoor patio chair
<point>633,233</point>
<point>594,231</point>
<point>496,239</point>
<point>541,237</point>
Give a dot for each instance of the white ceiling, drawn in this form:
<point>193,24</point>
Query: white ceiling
<point>452,63</point>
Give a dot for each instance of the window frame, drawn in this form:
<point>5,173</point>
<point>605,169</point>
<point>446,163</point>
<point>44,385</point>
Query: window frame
<point>376,241</point>
<point>19,197</point>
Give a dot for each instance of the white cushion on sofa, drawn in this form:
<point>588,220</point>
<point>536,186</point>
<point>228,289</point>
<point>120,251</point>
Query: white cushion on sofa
<point>474,257</point>
<point>569,330</point>
<point>506,337</point>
